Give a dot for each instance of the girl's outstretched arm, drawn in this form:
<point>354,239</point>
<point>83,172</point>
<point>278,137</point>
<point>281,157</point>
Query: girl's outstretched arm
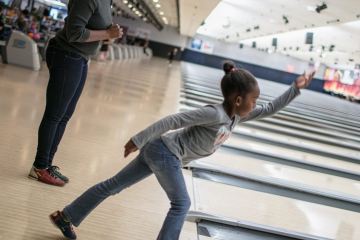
<point>280,102</point>
<point>201,116</point>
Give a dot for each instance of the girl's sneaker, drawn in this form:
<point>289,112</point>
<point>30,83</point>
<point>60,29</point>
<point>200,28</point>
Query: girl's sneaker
<point>65,226</point>
<point>45,176</point>
<point>56,172</point>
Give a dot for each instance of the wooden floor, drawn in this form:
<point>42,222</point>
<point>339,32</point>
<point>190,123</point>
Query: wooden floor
<point>120,99</point>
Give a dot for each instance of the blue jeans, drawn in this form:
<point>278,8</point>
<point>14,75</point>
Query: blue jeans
<point>68,73</point>
<point>155,158</point>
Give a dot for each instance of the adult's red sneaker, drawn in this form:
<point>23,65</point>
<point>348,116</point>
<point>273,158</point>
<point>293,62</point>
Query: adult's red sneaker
<point>46,176</point>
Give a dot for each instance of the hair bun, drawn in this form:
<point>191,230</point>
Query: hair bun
<point>228,66</point>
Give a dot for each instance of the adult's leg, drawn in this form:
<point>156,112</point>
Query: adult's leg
<point>69,112</point>
<point>134,172</point>
<point>167,169</point>
<point>65,77</point>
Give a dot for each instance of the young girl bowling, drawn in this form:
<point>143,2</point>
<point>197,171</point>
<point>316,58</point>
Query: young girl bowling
<point>199,133</point>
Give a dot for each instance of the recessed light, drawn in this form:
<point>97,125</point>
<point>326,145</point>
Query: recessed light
<point>165,20</point>
<point>158,5</point>
<point>311,8</point>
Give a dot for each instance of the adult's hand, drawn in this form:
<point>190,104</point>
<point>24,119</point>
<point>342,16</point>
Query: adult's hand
<point>115,31</point>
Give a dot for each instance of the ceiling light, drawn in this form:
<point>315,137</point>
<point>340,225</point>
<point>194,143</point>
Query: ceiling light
<point>272,20</point>
<point>161,13</point>
<point>311,8</point>
<point>125,1</point>
<point>130,5</point>
<point>165,20</point>
<point>155,1</point>
<point>158,5</point>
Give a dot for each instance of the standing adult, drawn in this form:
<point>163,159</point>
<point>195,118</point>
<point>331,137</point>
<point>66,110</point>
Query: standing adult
<point>171,55</point>
<point>88,22</point>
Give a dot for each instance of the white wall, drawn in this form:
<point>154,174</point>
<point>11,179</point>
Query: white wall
<point>246,54</point>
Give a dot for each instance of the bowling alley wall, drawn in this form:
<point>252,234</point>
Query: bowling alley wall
<point>211,52</point>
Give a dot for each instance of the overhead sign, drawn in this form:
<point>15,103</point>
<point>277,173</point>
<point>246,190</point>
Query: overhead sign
<point>202,46</point>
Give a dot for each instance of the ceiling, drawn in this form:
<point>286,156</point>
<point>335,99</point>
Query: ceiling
<point>164,10</point>
<point>193,13</point>
<point>233,17</point>
<point>246,21</point>
<point>345,39</point>
<point>168,7</point>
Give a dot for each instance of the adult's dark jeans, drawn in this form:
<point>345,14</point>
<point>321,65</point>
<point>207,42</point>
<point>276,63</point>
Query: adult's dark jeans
<point>68,73</point>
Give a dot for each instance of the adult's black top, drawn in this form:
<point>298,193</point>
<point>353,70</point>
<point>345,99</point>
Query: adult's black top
<point>84,15</point>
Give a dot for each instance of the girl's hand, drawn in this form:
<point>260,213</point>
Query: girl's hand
<point>129,148</point>
<point>304,80</point>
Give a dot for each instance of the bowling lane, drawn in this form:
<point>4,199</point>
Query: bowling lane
<point>314,121</point>
<point>316,133</point>
<point>275,211</point>
<point>332,133</point>
<point>293,154</point>
<point>203,87</point>
<point>307,144</point>
<point>282,118</point>
<point>302,134</point>
<point>230,159</point>
<point>308,99</point>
